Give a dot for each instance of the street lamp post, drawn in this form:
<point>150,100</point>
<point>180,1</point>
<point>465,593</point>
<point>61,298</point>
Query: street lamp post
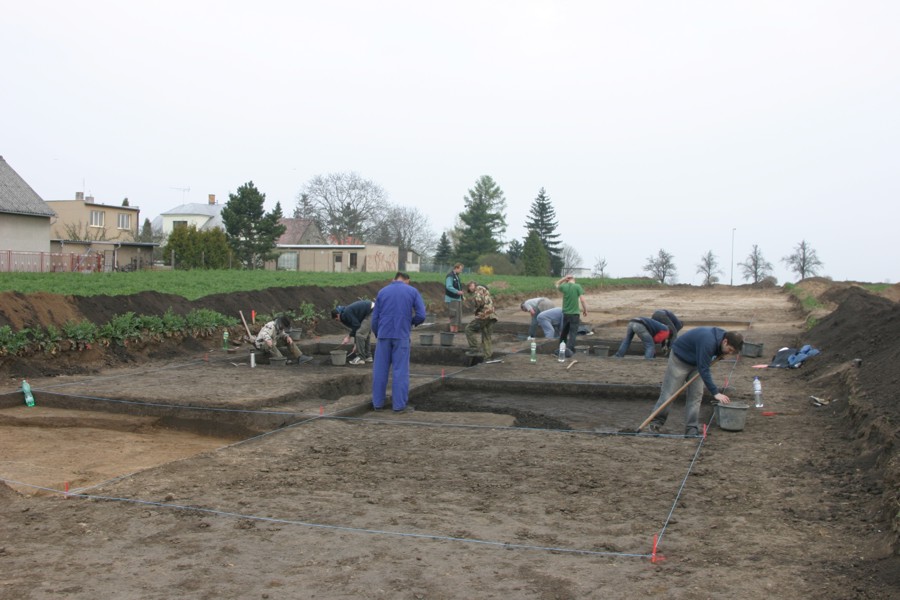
<point>733,229</point>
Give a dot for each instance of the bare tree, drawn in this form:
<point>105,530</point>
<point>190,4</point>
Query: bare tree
<point>571,260</point>
<point>599,268</point>
<point>406,228</point>
<point>709,268</point>
<point>803,261</point>
<point>662,267</point>
<point>79,232</point>
<point>345,206</point>
<point>756,268</point>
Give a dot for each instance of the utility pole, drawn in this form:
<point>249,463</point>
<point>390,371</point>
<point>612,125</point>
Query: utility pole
<point>733,229</point>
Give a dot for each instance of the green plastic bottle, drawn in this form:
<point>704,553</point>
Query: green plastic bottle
<point>29,397</point>
<point>225,340</point>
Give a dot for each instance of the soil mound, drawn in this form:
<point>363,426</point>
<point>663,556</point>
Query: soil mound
<point>21,311</point>
<point>864,326</point>
<point>859,357</point>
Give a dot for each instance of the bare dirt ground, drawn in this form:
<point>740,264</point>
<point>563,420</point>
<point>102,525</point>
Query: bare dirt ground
<point>511,480</point>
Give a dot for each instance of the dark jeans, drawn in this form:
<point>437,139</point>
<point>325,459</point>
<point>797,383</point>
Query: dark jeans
<point>569,330</point>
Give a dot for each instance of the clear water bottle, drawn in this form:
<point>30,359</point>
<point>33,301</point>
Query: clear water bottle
<point>562,352</point>
<point>534,352</point>
<point>29,397</point>
<point>757,392</point>
<point>225,340</point>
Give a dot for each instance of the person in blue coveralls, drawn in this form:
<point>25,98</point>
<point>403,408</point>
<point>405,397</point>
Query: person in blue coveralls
<point>398,308</point>
<point>693,352</point>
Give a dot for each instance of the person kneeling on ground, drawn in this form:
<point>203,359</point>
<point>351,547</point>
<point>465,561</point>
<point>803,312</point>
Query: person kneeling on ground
<point>483,322</point>
<point>693,353</point>
<point>355,316</point>
<point>274,334</point>
<point>651,333</point>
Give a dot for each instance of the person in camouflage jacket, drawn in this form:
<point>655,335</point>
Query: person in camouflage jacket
<point>480,298</point>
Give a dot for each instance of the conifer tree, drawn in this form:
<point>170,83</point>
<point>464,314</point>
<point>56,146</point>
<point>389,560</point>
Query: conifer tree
<point>483,221</point>
<point>542,219</point>
<point>251,231</point>
<point>534,256</point>
<point>444,253</point>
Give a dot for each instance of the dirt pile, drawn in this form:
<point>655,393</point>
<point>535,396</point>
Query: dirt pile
<point>21,311</point>
<point>859,361</point>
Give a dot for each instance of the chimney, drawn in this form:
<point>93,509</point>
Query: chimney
<point>212,198</point>
<point>79,195</point>
<point>89,199</point>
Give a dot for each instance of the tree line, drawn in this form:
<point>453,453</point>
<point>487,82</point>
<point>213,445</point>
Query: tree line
<point>348,209</point>
<point>803,261</point>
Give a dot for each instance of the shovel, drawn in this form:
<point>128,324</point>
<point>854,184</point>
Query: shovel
<point>668,401</point>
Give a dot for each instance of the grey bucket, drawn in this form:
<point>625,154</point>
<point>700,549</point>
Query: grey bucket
<point>447,338</point>
<point>426,339</point>
<point>338,357</point>
<point>732,416</point>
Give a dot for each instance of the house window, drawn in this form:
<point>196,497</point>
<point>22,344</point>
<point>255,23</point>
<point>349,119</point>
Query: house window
<point>124,221</point>
<point>177,224</point>
<point>353,261</point>
<point>98,218</point>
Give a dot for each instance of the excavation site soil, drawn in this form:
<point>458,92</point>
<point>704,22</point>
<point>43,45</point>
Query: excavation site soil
<point>175,469</point>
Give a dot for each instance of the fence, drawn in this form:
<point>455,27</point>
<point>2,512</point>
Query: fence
<point>49,262</point>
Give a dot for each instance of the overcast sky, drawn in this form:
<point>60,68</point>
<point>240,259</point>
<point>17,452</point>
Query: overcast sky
<point>675,125</point>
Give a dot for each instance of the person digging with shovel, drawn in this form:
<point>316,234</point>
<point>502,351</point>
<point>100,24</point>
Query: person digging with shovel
<point>692,354</point>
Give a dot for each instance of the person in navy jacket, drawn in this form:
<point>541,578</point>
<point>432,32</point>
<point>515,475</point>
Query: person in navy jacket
<point>693,352</point>
<point>398,308</point>
<point>356,317</point>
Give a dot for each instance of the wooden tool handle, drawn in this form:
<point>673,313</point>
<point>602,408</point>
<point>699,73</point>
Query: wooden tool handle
<point>672,397</point>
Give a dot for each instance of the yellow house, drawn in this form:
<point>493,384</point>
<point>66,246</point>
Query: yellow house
<point>86,227</point>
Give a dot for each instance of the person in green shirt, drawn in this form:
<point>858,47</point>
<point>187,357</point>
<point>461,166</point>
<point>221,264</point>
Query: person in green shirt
<point>573,307</point>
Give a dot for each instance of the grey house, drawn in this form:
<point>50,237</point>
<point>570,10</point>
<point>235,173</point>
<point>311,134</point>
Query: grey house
<point>24,216</point>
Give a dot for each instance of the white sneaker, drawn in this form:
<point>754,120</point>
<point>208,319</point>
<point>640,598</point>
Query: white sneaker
<point>530,339</point>
<point>370,359</point>
<point>357,361</point>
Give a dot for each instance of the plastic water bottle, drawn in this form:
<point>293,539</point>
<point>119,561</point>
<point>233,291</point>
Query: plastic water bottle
<point>562,352</point>
<point>757,392</point>
<point>225,340</point>
<point>534,352</point>
<point>29,397</point>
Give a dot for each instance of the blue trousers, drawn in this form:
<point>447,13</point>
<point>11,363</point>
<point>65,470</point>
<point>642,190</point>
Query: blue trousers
<point>391,355</point>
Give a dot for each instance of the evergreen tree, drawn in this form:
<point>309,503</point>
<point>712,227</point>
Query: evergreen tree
<point>444,253</point>
<point>542,219</point>
<point>514,251</point>
<point>483,221</point>
<point>535,257</point>
<point>197,249</point>
<point>146,234</point>
<point>251,232</point>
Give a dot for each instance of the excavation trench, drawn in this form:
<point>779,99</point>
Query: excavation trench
<point>81,441</point>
